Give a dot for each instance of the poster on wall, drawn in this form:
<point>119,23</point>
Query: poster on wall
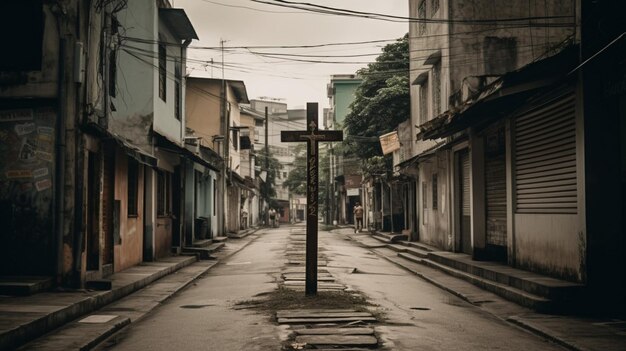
<point>26,169</point>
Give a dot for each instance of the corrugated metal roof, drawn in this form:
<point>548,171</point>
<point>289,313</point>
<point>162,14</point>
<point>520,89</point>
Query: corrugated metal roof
<point>179,23</point>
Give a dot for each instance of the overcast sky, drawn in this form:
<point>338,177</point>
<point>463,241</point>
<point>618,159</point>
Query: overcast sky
<point>246,23</point>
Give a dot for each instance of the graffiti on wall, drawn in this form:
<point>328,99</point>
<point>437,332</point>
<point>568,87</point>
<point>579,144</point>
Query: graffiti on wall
<point>26,170</point>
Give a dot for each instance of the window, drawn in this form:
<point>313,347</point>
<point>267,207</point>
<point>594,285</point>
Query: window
<point>133,187</point>
<point>235,138</point>
<point>163,193</point>
<point>178,90</point>
<point>436,88</point>
<point>421,14</point>
<point>435,191</point>
<point>424,102</point>
<point>162,72</point>
<point>434,6</point>
<point>284,174</point>
<point>22,28</point>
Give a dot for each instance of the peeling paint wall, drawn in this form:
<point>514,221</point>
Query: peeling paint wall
<point>26,170</point>
<point>129,249</point>
<point>434,225</point>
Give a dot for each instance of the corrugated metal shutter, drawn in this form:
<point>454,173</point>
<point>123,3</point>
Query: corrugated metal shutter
<point>545,158</point>
<point>495,185</point>
<point>465,164</point>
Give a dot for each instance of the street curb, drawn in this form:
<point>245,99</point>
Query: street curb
<point>103,336</point>
<point>176,291</point>
<point>512,320</point>
<point>29,331</point>
<point>539,331</point>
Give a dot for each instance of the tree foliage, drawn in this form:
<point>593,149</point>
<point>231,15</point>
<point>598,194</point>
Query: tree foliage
<point>268,188</point>
<point>382,100</point>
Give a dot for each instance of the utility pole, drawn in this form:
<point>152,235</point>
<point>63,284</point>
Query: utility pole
<point>226,146</point>
<point>267,163</point>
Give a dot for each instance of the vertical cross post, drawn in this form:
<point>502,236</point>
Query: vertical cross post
<point>312,136</point>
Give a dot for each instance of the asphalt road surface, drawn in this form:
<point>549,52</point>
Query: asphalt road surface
<point>417,315</point>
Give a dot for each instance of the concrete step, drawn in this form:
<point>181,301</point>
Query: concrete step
<point>536,284</point>
<point>220,239</point>
<point>381,238</point>
<point>523,298</point>
<point>419,245</point>
<point>202,243</point>
<point>416,252</point>
<point>411,257</point>
<point>391,237</point>
<point>24,285</point>
<point>397,247</point>
<point>203,253</point>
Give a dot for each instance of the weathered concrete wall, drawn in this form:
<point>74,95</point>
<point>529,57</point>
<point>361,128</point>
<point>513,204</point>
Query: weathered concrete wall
<point>137,75</point>
<point>165,122</point>
<point>434,224</point>
<point>477,50</point>
<point>203,109</point>
<point>549,244</point>
<point>129,250</point>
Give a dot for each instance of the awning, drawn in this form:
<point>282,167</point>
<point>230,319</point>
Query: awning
<point>131,150</point>
<point>502,96</point>
<point>178,22</point>
<point>209,160</point>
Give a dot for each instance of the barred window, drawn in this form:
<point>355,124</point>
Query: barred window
<point>434,6</point>
<point>435,191</point>
<point>436,88</point>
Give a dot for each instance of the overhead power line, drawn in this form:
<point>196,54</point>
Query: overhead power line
<point>305,6</point>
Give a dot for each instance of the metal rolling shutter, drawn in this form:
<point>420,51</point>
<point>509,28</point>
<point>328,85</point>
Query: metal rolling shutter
<point>495,186</point>
<point>465,163</point>
<point>545,158</point>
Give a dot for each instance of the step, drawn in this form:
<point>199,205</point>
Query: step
<point>392,237</point>
<point>523,298</point>
<point>381,238</point>
<point>220,239</point>
<point>24,285</point>
<point>397,247</point>
<point>411,257</point>
<point>416,252</point>
<point>536,284</point>
<point>203,253</point>
<point>419,245</point>
<point>202,243</point>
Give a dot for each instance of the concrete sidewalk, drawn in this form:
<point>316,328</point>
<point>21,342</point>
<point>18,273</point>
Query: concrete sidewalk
<point>571,332</point>
<point>135,292</point>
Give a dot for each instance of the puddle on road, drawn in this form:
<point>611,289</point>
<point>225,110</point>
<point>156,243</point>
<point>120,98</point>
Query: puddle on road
<point>195,306</point>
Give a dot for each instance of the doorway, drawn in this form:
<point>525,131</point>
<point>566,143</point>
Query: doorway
<point>93,234</point>
<point>463,194</point>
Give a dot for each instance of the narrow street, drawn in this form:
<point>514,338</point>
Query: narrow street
<point>413,315</point>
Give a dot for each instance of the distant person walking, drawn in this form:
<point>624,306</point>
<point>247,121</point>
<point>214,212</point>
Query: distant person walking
<point>272,214</point>
<point>358,216</point>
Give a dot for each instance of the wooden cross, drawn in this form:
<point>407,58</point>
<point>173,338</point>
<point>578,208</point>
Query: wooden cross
<point>312,136</point>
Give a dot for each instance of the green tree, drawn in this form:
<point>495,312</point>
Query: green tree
<point>296,180</point>
<point>268,188</point>
<point>382,101</point>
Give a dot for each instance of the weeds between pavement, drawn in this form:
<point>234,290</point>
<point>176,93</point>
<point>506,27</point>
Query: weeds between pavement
<point>288,299</point>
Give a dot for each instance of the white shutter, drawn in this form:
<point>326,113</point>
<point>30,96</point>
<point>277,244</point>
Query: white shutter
<point>545,158</point>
